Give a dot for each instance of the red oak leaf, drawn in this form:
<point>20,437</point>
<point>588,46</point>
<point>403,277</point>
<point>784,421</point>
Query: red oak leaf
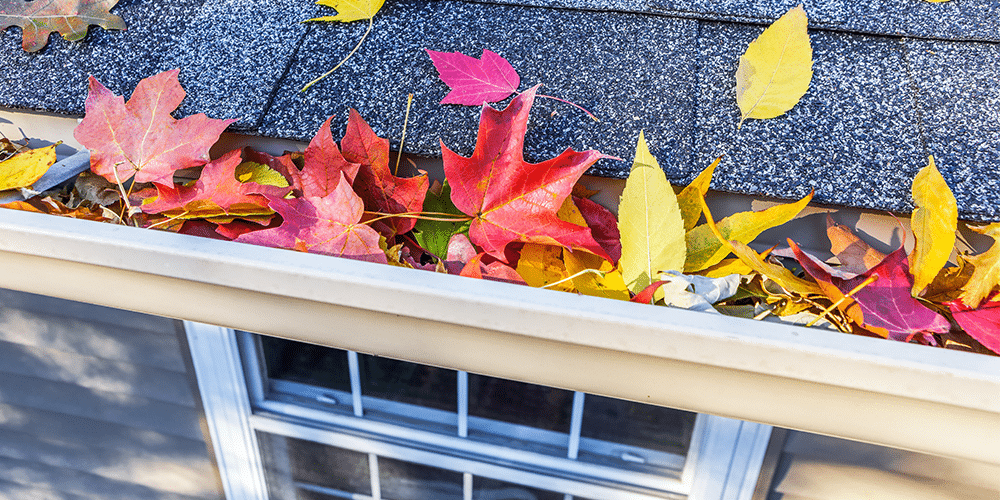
<point>475,81</point>
<point>981,323</point>
<point>510,199</point>
<point>216,193</point>
<point>886,305</point>
<point>328,225</point>
<point>375,184</point>
<point>140,138</point>
<point>603,225</point>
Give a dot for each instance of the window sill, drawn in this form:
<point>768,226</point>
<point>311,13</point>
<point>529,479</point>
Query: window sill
<point>857,388</point>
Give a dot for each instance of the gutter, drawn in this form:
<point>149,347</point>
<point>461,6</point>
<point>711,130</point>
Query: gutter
<point>888,393</point>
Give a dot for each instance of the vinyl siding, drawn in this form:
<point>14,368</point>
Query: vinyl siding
<point>96,403</point>
<point>813,467</point>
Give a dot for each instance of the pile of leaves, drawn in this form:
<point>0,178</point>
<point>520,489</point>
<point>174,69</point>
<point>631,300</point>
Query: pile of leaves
<point>495,216</point>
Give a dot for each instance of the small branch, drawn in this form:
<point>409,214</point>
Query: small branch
<point>341,63</point>
<point>409,101</point>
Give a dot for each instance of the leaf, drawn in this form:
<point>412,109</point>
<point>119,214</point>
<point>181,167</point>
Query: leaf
<point>981,323</point>
<point>652,231</point>
<point>71,18</point>
<point>854,254</point>
<point>603,225</point>
<point>375,184</point>
<point>323,165</point>
<point>259,173</point>
<point>607,283</point>
<point>885,306</point>
<point>51,206</point>
<point>696,293</point>
<point>727,267</point>
<point>542,265</point>
<point>495,271</point>
<point>689,199</point>
<point>776,273</point>
<point>216,193</point>
<point>26,167</point>
<point>328,225</point>
<point>775,70</point>
<point>350,10</point>
<point>705,250</point>
<point>475,81</point>
<point>434,235</point>
<point>140,138</point>
<point>934,223</point>
<point>509,199</point>
<point>986,269</point>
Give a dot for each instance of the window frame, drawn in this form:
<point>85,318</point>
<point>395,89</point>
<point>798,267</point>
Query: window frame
<point>723,462</point>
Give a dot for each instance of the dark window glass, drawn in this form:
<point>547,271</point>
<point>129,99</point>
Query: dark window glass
<point>409,481</point>
<point>288,461</point>
<point>306,363</point>
<point>637,424</point>
<point>408,382</point>
<point>516,402</point>
<point>484,488</point>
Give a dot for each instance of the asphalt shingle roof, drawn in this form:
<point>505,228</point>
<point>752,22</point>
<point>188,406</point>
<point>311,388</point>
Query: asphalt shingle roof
<point>894,81</point>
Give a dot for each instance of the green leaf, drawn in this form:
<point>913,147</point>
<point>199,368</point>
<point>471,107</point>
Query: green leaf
<point>433,235</point>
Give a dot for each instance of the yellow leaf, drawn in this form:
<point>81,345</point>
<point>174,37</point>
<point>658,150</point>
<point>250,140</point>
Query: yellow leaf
<point>541,265</point>
<point>570,213</point>
<point>705,250</point>
<point>775,70</point>
<point>778,274</point>
<point>608,284</point>
<point>351,10</point>
<point>986,269</point>
<point>23,169</point>
<point>689,199</point>
<point>261,174</point>
<point>652,231</point>
<point>934,222</point>
<point>727,267</point>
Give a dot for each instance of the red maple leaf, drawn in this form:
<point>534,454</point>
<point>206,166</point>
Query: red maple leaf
<point>328,225</point>
<point>475,81</point>
<point>885,304</point>
<point>216,193</point>
<point>603,225</point>
<point>981,323</point>
<point>140,138</point>
<point>375,184</point>
<point>510,199</point>
<point>322,167</point>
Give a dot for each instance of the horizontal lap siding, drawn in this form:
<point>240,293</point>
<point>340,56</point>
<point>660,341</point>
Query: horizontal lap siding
<point>813,467</point>
<point>96,403</point>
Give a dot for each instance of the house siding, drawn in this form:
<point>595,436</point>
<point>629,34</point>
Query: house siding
<point>97,403</point>
<point>814,467</point>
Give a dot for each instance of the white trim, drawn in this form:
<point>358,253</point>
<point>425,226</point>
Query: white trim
<point>227,403</point>
<point>729,461</point>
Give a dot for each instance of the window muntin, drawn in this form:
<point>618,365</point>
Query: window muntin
<point>390,397</point>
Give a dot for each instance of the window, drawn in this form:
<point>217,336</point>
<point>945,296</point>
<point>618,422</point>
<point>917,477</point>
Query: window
<point>322,423</point>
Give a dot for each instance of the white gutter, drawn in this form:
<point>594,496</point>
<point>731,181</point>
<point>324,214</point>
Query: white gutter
<point>889,393</point>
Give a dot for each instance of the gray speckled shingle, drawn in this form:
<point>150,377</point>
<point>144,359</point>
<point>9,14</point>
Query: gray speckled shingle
<point>255,37</point>
<point>854,136</point>
<point>55,78</point>
<point>959,99</point>
<point>821,11</point>
<point>633,72</point>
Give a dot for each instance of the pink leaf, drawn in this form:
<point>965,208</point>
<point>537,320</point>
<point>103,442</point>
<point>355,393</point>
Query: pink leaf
<point>475,81</point>
<point>982,323</point>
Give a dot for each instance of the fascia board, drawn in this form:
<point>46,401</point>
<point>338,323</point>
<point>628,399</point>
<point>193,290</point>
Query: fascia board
<point>901,395</point>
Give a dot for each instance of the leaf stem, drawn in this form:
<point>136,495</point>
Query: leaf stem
<point>871,279</point>
<point>577,275</point>
<point>418,215</point>
<point>406,118</point>
<point>575,105</point>
<point>341,63</point>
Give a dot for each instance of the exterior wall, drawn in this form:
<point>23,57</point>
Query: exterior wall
<point>814,467</point>
<point>97,403</point>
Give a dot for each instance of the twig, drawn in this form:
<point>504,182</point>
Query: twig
<point>406,118</point>
<point>341,63</point>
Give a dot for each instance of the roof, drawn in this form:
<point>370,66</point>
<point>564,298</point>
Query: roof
<point>894,81</point>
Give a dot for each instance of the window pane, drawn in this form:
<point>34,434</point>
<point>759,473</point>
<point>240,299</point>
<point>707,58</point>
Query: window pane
<point>408,382</point>
<point>484,488</point>
<point>516,402</point>
<point>306,363</point>
<point>637,424</point>
<point>409,481</point>
<point>288,461</point>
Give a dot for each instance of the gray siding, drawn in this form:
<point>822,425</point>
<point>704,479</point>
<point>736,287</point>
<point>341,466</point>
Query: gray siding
<point>96,403</point>
<point>813,467</point>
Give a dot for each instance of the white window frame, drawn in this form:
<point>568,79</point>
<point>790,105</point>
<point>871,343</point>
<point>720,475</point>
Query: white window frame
<point>723,463</point>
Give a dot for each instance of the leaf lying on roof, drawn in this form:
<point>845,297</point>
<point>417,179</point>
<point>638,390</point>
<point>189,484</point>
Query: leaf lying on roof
<point>71,18</point>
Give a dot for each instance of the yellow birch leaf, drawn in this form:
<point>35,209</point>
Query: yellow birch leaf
<point>705,250</point>
<point>689,199</point>
<point>541,265</point>
<point>23,169</point>
<point>351,10</point>
<point>649,220</point>
<point>610,285</point>
<point>775,70</point>
<point>986,269</point>
<point>934,222</point>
